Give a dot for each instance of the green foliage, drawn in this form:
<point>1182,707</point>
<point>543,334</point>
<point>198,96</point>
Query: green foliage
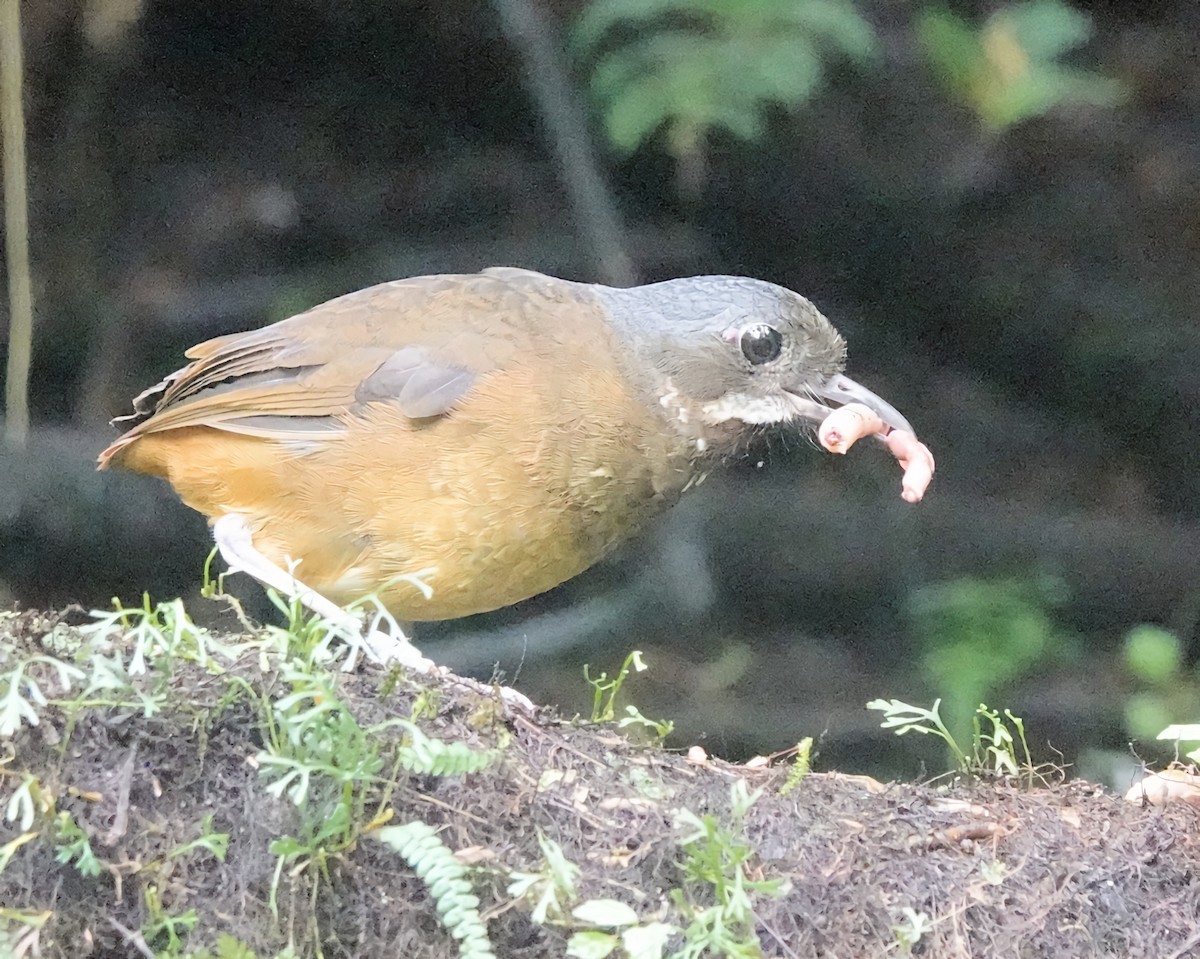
<point>315,752</point>
<point>695,65</point>
<point>1185,733</point>
<point>216,844</point>
<point>638,940</point>
<point>21,695</point>
<point>910,932</point>
<point>1166,693</point>
<point>1008,69</point>
<point>801,766</point>
<point>434,757</point>
<point>605,690</point>
<point>552,888</point>
<point>992,751</point>
<point>158,634</point>
<point>9,849</point>
<point>604,698</point>
<point>19,932</point>
<point>977,635</point>
<point>1153,654</point>
<point>163,929</point>
<point>323,760</point>
<point>315,735</point>
<point>72,845</point>
<point>717,895</point>
<point>418,844</point>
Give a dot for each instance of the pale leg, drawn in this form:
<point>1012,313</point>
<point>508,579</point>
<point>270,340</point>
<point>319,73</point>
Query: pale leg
<point>236,546</point>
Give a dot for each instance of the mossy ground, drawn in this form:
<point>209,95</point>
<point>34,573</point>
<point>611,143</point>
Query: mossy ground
<point>982,869</point>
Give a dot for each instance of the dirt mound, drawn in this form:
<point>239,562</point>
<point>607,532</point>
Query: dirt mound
<point>184,794</point>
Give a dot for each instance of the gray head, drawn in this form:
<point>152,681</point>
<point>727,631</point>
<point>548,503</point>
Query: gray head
<point>729,352</point>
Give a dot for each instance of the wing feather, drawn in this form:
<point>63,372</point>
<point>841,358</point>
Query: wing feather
<point>419,344</point>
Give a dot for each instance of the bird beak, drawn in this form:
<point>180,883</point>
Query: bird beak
<point>840,390</point>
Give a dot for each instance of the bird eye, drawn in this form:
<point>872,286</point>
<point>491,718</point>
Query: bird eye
<point>761,343</point>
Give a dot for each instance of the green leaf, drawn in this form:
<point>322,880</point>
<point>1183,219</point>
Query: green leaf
<point>1187,733</point>
<point>950,45</point>
<point>1008,70</point>
<point>1153,654</point>
<point>605,912</point>
<point>694,65</point>
<point>601,16</point>
<point>648,941</point>
<point>591,945</point>
<point>836,22</point>
<point>1045,29</point>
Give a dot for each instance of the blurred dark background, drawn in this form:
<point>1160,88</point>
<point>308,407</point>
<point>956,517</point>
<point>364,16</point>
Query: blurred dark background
<point>998,203</point>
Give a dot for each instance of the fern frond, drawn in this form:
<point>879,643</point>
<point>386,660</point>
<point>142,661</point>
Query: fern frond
<point>418,844</point>
<point>435,757</point>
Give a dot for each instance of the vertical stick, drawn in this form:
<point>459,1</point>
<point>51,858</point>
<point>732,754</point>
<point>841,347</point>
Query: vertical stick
<point>531,35</point>
<point>16,228</point>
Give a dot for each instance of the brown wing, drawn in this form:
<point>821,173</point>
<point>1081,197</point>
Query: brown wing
<point>419,344</point>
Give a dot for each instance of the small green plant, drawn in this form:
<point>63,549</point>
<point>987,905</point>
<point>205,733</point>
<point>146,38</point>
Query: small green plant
<point>1009,69</point>
<point>1188,733</point>
<point>27,800</point>
<point>319,756</point>
<point>216,844</point>
<point>978,635</point>
<point>635,939</point>
<point>430,756</point>
<point>19,931</point>
<point>324,761</point>
<point>996,749</point>
<point>801,766</point>
<point>418,844</point>
<point>72,846</point>
<point>717,896</point>
<point>992,750</point>
<point>911,930</point>
<point>552,888</point>
<point>606,690</point>
<point>159,634</point>
<point>9,849</point>
<point>21,695</point>
<point>160,924</point>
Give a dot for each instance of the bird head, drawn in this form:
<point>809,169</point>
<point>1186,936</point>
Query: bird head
<point>729,355</point>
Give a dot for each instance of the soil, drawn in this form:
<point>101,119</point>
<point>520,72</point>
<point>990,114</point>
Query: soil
<point>983,868</point>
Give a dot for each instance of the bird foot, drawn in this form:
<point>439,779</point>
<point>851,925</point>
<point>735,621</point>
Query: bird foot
<point>387,648</point>
<point>514,700</point>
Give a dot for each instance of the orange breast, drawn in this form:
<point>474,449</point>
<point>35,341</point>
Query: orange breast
<point>531,480</point>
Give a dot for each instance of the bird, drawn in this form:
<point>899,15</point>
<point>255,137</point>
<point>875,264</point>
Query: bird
<point>455,443</point>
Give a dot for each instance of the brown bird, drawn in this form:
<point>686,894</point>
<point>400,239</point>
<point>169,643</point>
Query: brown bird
<point>453,444</point>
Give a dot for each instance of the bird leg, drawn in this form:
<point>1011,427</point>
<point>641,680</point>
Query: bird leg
<point>233,539</point>
<point>232,536</point>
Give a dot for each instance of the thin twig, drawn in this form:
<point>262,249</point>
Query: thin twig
<point>532,36</point>
<point>16,228</point>
<point>133,938</point>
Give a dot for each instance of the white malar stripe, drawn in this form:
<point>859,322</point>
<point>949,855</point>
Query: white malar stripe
<point>777,408</point>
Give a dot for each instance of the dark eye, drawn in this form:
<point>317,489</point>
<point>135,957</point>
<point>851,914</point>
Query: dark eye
<point>761,343</point>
